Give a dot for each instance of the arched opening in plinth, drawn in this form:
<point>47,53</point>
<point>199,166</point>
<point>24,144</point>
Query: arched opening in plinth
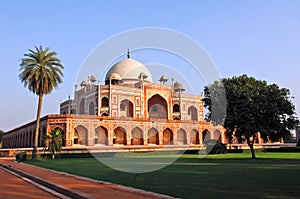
<point>194,137</point>
<point>81,135</point>
<point>137,136</point>
<point>63,135</point>
<point>101,136</point>
<point>153,136</point>
<point>217,135</point>
<point>119,136</point>
<point>167,137</point>
<point>181,137</point>
<point>205,135</point>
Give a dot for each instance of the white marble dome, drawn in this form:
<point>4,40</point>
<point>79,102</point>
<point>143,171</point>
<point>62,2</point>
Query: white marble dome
<point>129,69</point>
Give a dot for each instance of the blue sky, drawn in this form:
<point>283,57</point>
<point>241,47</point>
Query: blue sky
<point>258,38</point>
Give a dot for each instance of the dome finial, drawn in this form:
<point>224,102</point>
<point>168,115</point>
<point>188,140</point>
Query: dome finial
<point>128,53</point>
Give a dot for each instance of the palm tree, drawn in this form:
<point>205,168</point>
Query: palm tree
<point>41,72</point>
<point>53,142</point>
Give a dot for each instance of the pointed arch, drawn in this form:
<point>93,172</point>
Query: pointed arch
<point>137,137</point>
<point>119,136</point>
<point>104,114</point>
<point>101,136</point>
<point>63,135</point>
<point>91,108</point>
<point>167,137</point>
<point>205,135</point>
<point>104,102</point>
<point>193,113</point>
<point>126,108</point>
<point>153,136</point>
<point>194,137</point>
<point>157,107</point>
<point>81,135</point>
<point>82,106</point>
<point>176,108</point>
<point>181,137</point>
<point>217,135</point>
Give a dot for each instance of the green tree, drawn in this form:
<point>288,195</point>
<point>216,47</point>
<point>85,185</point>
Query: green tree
<point>253,106</point>
<point>1,135</point>
<point>53,142</point>
<point>40,72</point>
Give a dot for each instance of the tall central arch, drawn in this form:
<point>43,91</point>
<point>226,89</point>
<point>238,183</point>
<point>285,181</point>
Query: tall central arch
<point>157,107</point>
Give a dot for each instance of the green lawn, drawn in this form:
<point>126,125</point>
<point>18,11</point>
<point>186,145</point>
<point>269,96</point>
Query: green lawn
<point>272,175</point>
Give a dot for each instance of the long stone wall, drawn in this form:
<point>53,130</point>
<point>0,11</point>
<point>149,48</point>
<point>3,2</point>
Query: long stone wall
<point>89,130</point>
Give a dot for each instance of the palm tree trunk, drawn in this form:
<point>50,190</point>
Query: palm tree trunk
<point>250,144</point>
<point>36,137</point>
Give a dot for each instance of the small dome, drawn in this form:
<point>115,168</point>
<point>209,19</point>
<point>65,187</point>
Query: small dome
<point>178,85</point>
<point>92,78</point>
<point>115,76</point>
<point>163,78</point>
<point>129,69</point>
<point>83,83</point>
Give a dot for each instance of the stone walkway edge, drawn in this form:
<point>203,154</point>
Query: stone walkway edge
<point>74,193</point>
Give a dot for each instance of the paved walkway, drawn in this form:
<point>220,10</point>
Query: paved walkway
<point>88,188</point>
<point>14,187</point>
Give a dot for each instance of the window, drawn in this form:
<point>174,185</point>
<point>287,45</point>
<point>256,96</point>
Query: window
<point>104,102</point>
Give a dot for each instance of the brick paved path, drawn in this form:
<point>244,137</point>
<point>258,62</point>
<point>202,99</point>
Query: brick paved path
<point>91,188</point>
<point>14,187</point>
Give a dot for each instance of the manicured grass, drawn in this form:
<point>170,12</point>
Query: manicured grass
<point>272,175</point>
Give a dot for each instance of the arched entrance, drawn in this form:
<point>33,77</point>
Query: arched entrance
<point>217,135</point>
<point>126,108</point>
<point>81,135</point>
<point>181,137</point>
<point>167,137</point>
<point>63,135</point>
<point>101,136</point>
<point>119,136</point>
<point>194,137</point>
<point>192,112</point>
<point>92,108</point>
<point>153,136</point>
<point>82,106</point>
<point>137,136</point>
<point>157,107</point>
<point>205,135</point>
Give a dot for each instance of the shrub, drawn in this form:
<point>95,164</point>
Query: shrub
<point>21,156</point>
<point>215,147</point>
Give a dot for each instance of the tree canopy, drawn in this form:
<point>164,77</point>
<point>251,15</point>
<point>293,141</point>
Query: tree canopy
<point>252,106</point>
<point>40,72</point>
